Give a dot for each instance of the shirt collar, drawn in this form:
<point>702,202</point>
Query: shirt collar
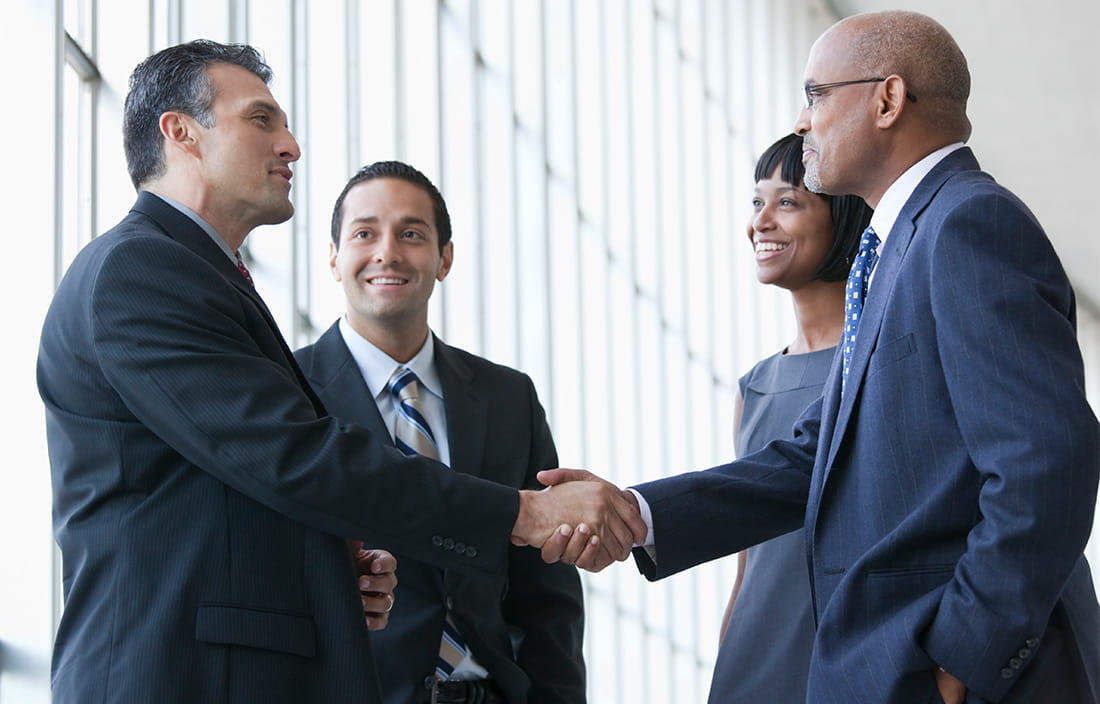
<point>895,197</point>
<point>206,227</point>
<point>377,367</point>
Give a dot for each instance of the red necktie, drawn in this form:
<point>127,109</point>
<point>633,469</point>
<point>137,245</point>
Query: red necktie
<point>244,270</point>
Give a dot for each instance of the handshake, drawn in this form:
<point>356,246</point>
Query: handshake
<point>579,519</point>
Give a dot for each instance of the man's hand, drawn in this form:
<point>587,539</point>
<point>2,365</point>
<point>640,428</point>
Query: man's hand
<point>606,519</point>
<point>377,580</point>
<point>952,690</point>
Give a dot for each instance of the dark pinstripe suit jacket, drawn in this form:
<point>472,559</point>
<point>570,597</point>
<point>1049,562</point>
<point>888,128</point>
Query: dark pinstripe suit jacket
<point>201,493</point>
<point>497,430</point>
<point>948,496</point>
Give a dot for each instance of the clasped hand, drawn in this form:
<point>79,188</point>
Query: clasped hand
<point>376,572</point>
<point>580,519</point>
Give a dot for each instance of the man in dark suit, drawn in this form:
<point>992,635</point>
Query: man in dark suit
<point>201,492</point>
<point>947,477</point>
<point>391,241</point>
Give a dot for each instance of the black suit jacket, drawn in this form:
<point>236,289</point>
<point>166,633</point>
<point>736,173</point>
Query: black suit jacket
<point>201,493</point>
<point>497,430</point>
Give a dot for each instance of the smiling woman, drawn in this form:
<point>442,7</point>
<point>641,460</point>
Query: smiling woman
<point>804,243</point>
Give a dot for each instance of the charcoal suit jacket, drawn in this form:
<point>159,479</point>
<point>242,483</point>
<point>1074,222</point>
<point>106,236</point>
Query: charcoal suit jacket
<point>496,430</point>
<point>202,496</point>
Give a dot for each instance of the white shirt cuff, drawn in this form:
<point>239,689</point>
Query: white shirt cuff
<point>647,517</point>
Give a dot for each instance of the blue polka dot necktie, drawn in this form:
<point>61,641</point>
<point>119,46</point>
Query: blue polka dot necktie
<point>413,436</point>
<point>855,293</point>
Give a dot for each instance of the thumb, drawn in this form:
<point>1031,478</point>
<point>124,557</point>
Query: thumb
<point>553,477</point>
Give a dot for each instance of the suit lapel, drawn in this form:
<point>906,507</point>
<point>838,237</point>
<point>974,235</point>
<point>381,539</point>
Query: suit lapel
<point>186,231</point>
<point>882,287</point>
<point>870,323</point>
<point>467,411</point>
<point>331,367</point>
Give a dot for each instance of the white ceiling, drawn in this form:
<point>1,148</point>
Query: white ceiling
<point>1035,107</point>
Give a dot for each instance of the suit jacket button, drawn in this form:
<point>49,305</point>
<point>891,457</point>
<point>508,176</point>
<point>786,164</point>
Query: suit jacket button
<point>1007,673</point>
<point>1032,643</point>
<point>429,682</point>
<point>471,551</point>
<point>448,543</point>
<point>1024,653</point>
<point>1015,663</point>
<point>460,548</point>
<point>437,541</point>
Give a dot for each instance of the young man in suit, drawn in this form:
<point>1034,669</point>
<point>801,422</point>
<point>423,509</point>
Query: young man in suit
<point>200,487</point>
<point>391,242</point>
<point>947,476</point>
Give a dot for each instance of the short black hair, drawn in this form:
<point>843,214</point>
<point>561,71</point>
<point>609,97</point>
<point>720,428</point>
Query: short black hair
<point>175,80</point>
<point>850,214</point>
<point>405,172</point>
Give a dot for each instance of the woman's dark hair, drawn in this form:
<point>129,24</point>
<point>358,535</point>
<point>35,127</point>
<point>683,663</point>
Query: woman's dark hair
<point>850,214</point>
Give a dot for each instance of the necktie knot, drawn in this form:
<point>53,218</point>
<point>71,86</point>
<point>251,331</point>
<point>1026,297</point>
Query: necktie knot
<point>412,433</point>
<point>405,385</point>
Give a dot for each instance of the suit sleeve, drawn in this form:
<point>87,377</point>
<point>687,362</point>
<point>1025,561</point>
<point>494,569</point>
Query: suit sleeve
<point>196,363</point>
<point>1005,333</point>
<point>546,601</point>
<point>701,516</point>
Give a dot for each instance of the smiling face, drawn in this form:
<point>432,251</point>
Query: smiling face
<point>389,257</point>
<point>246,154</point>
<point>791,231</point>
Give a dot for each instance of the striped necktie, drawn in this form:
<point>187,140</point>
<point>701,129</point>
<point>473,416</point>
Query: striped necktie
<point>414,436</point>
<point>855,292</point>
<point>412,433</point>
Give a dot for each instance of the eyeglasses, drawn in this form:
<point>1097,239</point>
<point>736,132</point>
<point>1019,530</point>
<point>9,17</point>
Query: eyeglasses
<point>815,90</point>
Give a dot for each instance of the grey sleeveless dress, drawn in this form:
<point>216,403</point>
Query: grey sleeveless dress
<point>765,654</point>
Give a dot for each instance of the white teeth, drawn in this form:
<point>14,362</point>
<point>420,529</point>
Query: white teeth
<point>384,280</point>
<point>770,246</point>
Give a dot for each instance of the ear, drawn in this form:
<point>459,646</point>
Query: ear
<point>445,261</point>
<point>333,269</point>
<point>892,101</point>
<point>180,131</point>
